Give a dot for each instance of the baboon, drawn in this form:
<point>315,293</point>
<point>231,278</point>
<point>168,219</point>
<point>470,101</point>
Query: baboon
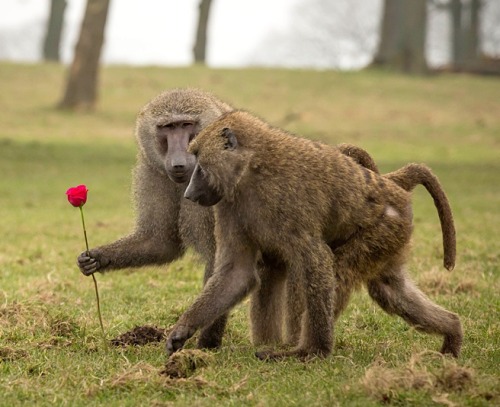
<point>166,223</point>
<point>313,209</point>
<point>407,178</point>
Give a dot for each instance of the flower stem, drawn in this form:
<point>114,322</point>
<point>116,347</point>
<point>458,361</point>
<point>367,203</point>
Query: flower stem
<point>95,283</point>
<point>99,312</point>
<point>84,230</point>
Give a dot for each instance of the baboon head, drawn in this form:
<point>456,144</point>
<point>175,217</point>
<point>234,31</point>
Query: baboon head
<point>223,156</point>
<point>167,124</point>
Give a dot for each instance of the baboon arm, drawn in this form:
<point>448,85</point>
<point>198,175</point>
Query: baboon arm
<point>234,277</point>
<point>155,239</point>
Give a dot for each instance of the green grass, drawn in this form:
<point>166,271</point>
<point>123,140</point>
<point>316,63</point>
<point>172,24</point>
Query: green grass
<point>51,351</point>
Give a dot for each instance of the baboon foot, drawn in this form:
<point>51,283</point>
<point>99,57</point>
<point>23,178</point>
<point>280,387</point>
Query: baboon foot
<point>453,339</point>
<point>178,337</point>
<point>452,345</point>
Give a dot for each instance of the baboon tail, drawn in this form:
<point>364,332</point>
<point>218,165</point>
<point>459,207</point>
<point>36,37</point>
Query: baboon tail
<point>359,155</point>
<point>412,175</point>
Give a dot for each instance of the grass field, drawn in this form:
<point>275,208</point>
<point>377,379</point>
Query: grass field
<point>51,351</point>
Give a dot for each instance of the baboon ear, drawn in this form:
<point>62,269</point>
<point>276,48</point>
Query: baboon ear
<point>230,139</point>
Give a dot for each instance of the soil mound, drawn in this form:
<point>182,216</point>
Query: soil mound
<point>140,335</point>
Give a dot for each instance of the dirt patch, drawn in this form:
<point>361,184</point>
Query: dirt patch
<point>184,363</point>
<point>8,354</point>
<point>140,335</point>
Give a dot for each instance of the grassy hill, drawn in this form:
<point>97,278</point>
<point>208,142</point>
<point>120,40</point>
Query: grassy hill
<point>51,352</point>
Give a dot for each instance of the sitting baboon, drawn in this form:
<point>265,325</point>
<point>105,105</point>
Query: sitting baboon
<point>166,223</point>
<point>331,223</point>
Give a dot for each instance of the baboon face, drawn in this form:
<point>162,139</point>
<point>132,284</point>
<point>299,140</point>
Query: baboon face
<point>199,189</point>
<point>167,124</point>
<point>172,139</point>
<point>221,163</point>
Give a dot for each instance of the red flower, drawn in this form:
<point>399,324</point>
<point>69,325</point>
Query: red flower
<point>77,196</point>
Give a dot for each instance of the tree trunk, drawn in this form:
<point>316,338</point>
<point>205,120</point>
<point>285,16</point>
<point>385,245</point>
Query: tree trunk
<point>390,31</point>
<point>52,40</point>
<point>471,34</point>
<point>465,34</point>
<point>200,46</point>
<point>456,34</point>
<point>81,88</point>
<point>415,33</point>
<point>402,36</point>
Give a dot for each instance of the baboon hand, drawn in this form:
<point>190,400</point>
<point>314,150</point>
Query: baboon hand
<point>90,262</point>
<point>178,337</point>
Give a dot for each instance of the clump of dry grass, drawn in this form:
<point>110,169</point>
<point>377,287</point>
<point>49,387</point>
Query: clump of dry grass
<point>145,374</point>
<point>426,371</point>
<point>8,354</point>
<point>440,282</point>
<point>33,321</point>
<point>182,364</point>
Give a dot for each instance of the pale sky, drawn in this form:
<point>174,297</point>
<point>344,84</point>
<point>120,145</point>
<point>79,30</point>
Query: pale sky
<point>162,31</point>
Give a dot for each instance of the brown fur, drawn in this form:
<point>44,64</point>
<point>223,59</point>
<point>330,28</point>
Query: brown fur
<point>407,178</point>
<point>267,311</point>
<point>314,210</point>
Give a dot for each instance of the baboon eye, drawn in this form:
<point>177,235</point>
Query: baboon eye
<point>186,124</point>
<point>165,126</point>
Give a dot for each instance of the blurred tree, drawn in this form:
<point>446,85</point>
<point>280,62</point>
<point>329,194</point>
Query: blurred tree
<point>465,33</point>
<point>81,87</point>
<point>402,36</point>
<point>52,40</point>
<point>200,45</point>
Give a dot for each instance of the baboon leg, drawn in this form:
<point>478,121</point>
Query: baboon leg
<point>233,279</point>
<point>342,295</point>
<point>317,329</point>
<point>266,305</point>
<point>397,294</point>
<point>295,309</point>
<point>211,336</point>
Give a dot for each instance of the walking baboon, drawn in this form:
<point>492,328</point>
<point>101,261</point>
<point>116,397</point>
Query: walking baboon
<point>407,178</point>
<point>314,210</point>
